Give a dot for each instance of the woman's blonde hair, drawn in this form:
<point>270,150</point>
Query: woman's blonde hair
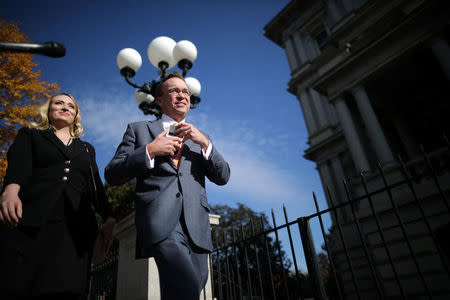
<point>76,129</point>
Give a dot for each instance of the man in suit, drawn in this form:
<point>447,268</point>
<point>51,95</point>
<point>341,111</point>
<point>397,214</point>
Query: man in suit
<point>172,220</point>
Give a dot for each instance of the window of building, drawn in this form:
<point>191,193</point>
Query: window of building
<point>322,40</point>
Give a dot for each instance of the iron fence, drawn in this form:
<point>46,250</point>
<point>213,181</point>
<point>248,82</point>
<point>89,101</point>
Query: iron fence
<point>388,240</point>
<point>104,276</point>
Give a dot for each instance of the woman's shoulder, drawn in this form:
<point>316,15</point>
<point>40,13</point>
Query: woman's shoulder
<point>28,130</point>
<point>27,134</point>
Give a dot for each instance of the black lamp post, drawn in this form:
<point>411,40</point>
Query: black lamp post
<point>52,49</point>
<point>163,53</point>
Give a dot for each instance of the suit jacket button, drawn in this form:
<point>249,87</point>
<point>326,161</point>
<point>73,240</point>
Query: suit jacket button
<point>67,162</point>
<point>178,195</point>
<point>180,174</point>
<point>66,170</point>
<point>64,178</point>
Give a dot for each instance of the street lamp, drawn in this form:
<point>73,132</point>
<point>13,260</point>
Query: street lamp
<point>52,49</point>
<point>163,53</point>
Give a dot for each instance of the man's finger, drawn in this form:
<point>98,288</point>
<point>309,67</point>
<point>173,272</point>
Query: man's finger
<point>181,128</point>
<point>163,133</point>
<point>175,138</point>
<point>1,217</point>
<point>180,125</point>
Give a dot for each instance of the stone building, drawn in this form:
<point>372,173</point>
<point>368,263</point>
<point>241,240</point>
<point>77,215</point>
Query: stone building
<point>372,79</point>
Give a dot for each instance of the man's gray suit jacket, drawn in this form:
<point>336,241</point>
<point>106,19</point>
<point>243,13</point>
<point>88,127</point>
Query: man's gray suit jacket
<point>164,191</point>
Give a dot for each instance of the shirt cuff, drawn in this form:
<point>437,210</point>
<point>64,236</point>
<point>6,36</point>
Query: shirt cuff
<point>150,162</point>
<point>208,151</point>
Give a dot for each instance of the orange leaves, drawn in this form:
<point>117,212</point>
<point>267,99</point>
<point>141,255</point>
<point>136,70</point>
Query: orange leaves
<point>21,90</point>
<point>9,32</point>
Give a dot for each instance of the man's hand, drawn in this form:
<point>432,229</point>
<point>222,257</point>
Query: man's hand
<point>164,145</point>
<point>107,231</point>
<point>190,132</point>
<point>11,205</point>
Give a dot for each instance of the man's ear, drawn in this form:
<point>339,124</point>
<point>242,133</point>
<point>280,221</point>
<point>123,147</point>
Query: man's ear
<point>158,100</point>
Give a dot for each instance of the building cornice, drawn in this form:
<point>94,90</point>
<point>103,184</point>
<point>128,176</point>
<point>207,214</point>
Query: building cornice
<point>321,149</point>
<point>292,16</point>
<point>328,73</point>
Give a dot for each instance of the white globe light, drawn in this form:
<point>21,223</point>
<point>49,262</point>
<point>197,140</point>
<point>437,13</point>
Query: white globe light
<point>161,49</point>
<point>129,57</point>
<point>193,85</point>
<point>184,50</point>
<point>143,97</point>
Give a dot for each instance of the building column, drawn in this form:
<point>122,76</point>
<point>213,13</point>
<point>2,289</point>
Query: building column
<point>139,278</point>
<point>308,115</point>
<point>441,50</point>
<point>300,46</point>
<point>312,50</point>
<point>328,184</point>
<point>332,179</point>
<point>338,171</point>
<point>332,174</point>
<point>291,56</point>
<point>411,147</point>
<point>320,110</point>
<point>351,135</point>
<point>206,293</point>
<point>348,5</point>
<point>375,132</point>
<point>331,113</point>
<point>334,12</point>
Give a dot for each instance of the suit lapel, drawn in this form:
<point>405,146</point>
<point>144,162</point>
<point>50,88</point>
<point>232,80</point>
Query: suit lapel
<point>77,148</point>
<point>186,145</point>
<point>155,128</point>
<point>49,135</point>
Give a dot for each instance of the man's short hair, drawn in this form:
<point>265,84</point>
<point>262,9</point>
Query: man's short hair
<point>171,74</point>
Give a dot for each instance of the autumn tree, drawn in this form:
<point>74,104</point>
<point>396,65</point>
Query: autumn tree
<point>21,90</point>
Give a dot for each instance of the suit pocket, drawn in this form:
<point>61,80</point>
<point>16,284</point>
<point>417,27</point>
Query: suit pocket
<point>204,203</point>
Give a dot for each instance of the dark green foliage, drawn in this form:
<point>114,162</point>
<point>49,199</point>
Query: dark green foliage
<point>328,277</point>
<point>121,198</point>
<point>240,247</point>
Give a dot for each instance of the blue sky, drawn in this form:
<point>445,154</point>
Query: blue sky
<point>256,124</point>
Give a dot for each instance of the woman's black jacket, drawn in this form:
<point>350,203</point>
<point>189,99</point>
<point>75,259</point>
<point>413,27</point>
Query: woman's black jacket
<point>43,167</point>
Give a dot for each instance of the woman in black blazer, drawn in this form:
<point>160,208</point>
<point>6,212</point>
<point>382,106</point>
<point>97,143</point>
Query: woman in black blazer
<point>47,207</point>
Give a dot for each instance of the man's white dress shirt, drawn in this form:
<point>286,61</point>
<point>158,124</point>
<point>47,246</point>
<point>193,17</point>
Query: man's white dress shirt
<point>167,121</point>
